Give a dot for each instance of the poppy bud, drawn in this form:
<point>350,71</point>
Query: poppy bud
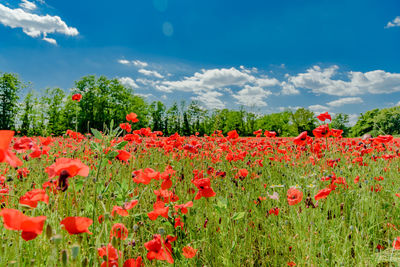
<point>49,231</point>
<point>64,257</point>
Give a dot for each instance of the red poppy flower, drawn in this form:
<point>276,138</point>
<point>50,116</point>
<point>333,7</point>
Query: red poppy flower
<point>294,196</point>
<point>183,207</point>
<point>145,176</point>
<point>31,227</point>
<point>322,131</point>
<point>159,210</point>
<point>233,134</point>
<point>72,166</point>
<point>77,225</point>
<point>119,231</point>
<point>126,126</point>
<point>123,211</point>
<point>270,134</point>
<point>5,154</point>
<point>274,211</point>
<point>158,249</point>
<point>77,97</point>
<point>32,198</point>
<point>396,243</point>
<point>123,155</point>
<point>324,116</point>
<point>301,139</point>
<point>189,252</point>
<point>110,254</point>
<point>134,262</point>
<point>132,117</point>
<point>323,193</point>
<point>204,186</point>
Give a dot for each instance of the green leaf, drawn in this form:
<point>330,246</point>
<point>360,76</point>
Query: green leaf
<point>97,134</point>
<point>121,145</point>
<point>238,215</point>
<point>112,154</point>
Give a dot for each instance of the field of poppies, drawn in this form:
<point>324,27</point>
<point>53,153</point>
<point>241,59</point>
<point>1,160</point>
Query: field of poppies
<point>123,198</point>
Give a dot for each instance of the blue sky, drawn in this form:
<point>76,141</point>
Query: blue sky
<point>336,56</point>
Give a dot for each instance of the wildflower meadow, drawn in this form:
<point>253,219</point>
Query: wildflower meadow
<point>137,198</point>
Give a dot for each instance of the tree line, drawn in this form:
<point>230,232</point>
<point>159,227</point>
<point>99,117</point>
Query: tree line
<point>53,112</point>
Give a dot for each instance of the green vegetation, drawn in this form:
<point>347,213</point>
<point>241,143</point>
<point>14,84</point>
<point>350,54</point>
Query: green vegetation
<point>53,112</point>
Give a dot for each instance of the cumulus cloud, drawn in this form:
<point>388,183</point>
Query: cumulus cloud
<point>393,23</point>
<point>252,96</point>
<point>124,61</point>
<point>151,73</point>
<point>289,89</point>
<point>318,108</point>
<point>353,118</point>
<point>136,63</point>
<point>127,81</point>
<point>345,101</point>
<point>320,81</point>
<point>216,79</point>
<point>210,99</point>
<point>25,4</point>
<point>35,25</point>
<point>139,63</point>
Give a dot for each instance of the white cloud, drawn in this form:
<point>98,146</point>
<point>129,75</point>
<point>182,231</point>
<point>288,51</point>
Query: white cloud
<point>318,108</point>
<point>216,79</point>
<point>139,63</point>
<point>320,81</point>
<point>151,73</point>
<point>127,81</point>
<point>25,4</point>
<point>289,89</point>
<point>353,118</point>
<point>35,25</point>
<point>345,101</point>
<point>124,61</point>
<point>252,96</point>
<point>394,23</point>
<point>49,40</point>
<point>210,99</point>
<point>144,95</point>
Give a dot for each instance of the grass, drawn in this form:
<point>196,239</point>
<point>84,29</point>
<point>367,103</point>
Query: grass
<point>233,228</point>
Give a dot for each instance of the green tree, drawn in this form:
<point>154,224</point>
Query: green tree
<point>341,121</point>
<point>10,85</point>
<point>303,120</point>
<point>365,123</point>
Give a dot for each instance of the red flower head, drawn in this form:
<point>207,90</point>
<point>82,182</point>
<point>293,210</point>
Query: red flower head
<point>324,116</point>
<point>5,154</point>
<point>204,186</point>
<point>396,243</point>
<point>31,227</point>
<point>134,262</point>
<point>119,231</point>
<point>32,198</point>
<point>189,252</point>
<point>301,139</point>
<point>294,196</point>
<point>233,134</point>
<point>72,166</point>
<point>110,254</point>
<point>77,97</point>
<point>323,193</point>
<point>183,207</point>
<point>159,249</point>
<point>123,211</point>
<point>322,131</point>
<point>132,117</point>
<point>269,133</point>
<point>77,225</point>
<point>123,155</point>
<point>159,210</point>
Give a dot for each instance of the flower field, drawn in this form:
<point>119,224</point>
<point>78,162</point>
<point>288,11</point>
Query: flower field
<point>122,198</point>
